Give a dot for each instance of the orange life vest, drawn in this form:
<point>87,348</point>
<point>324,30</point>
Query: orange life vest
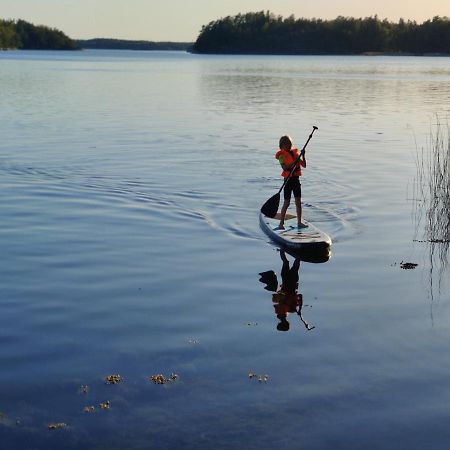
<point>284,303</point>
<point>289,157</point>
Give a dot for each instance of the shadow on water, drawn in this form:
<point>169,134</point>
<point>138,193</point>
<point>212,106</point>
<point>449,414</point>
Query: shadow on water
<point>285,296</point>
<point>431,210</point>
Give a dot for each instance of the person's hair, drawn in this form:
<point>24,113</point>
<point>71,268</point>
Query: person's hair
<point>285,140</point>
<point>283,325</point>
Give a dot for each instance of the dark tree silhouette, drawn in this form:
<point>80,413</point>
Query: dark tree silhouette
<point>264,33</point>
<point>121,44</point>
<point>24,35</point>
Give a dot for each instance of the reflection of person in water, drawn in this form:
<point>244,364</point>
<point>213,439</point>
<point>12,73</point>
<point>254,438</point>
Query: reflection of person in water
<point>285,299</point>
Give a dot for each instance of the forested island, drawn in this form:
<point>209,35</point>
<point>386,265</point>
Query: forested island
<point>264,33</point>
<point>24,35</point>
<point>120,44</point>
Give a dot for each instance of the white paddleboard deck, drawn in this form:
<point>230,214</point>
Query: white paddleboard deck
<point>293,237</point>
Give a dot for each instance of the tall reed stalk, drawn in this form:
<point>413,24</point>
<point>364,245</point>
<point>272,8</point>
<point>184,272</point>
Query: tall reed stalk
<point>432,194</point>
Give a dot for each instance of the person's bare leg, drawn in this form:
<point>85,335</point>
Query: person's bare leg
<point>298,207</point>
<point>283,213</point>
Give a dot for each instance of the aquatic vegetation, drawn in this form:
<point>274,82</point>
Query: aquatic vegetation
<point>113,379</point>
<point>56,426</point>
<point>102,405</point>
<point>161,379</point>
<point>433,186</point>
<point>432,198</point>
<point>408,265</point>
<point>260,378</point>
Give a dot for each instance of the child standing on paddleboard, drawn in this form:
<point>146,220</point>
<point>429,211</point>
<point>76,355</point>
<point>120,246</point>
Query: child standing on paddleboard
<point>288,156</point>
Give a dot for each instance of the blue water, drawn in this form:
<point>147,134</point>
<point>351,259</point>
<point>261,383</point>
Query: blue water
<point>131,184</point>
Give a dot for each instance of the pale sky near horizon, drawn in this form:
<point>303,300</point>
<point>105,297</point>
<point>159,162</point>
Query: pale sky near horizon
<point>181,20</point>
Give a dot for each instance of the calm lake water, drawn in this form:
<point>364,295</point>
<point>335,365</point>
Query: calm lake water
<point>131,184</point>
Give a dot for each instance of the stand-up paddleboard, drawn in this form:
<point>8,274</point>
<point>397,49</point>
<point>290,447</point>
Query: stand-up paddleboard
<point>292,237</point>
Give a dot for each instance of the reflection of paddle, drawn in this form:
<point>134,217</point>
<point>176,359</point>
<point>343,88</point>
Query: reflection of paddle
<point>270,208</point>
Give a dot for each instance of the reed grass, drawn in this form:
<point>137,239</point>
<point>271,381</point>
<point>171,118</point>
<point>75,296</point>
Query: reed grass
<point>432,193</point>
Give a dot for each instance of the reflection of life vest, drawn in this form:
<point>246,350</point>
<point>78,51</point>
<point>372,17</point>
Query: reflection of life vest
<point>284,302</point>
<point>288,157</point>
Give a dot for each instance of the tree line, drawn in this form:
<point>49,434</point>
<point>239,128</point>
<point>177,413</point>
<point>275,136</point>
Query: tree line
<point>24,35</point>
<point>121,44</point>
<point>265,33</point>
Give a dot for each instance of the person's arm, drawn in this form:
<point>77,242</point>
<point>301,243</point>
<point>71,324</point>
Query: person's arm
<point>303,158</point>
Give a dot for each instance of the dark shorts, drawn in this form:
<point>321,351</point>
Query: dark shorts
<point>292,186</point>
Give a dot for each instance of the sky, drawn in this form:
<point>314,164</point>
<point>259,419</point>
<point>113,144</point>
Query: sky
<point>181,20</point>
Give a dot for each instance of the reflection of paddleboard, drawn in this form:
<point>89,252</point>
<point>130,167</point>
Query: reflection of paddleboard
<point>292,237</point>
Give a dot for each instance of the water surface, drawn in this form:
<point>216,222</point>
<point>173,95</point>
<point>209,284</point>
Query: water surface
<point>131,184</point>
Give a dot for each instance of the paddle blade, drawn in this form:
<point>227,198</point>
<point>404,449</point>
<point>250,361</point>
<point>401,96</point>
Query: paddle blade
<point>270,208</point>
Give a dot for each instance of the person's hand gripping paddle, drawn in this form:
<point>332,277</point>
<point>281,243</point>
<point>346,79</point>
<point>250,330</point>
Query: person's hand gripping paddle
<point>270,208</point>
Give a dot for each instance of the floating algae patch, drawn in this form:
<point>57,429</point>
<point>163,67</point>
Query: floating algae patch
<point>103,405</point>
<point>161,379</point>
<point>408,265</point>
<point>260,378</point>
<point>57,426</point>
<point>113,379</point>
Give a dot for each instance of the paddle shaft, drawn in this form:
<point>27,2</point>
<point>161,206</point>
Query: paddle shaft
<point>297,160</point>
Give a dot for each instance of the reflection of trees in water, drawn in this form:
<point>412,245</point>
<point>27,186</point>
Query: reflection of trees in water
<point>263,86</point>
<point>432,201</point>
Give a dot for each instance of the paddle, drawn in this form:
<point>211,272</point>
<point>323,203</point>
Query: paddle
<point>270,208</point>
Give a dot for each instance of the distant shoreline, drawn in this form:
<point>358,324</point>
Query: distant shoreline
<point>265,33</point>
<point>324,54</point>
<point>188,50</point>
<point>123,44</point>
<point>426,55</point>
<point>187,47</point>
